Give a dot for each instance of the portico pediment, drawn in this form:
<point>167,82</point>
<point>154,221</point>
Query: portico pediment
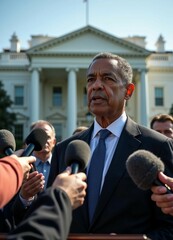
<point>55,116</point>
<point>21,116</point>
<point>87,41</point>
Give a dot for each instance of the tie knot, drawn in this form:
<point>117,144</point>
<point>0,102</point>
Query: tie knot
<point>104,133</point>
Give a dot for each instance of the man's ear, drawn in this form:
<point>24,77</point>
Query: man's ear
<point>129,91</point>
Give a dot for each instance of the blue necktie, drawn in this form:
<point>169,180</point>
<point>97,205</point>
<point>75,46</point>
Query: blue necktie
<point>95,172</point>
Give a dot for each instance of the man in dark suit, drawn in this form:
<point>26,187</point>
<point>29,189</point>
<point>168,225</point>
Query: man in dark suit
<point>122,208</point>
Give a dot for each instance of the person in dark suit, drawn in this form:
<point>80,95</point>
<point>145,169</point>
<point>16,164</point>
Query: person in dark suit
<point>122,207</point>
<point>50,215</point>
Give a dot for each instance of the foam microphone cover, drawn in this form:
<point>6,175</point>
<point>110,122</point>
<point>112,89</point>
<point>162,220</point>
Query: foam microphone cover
<point>77,152</point>
<point>143,168</point>
<point>38,137</point>
<point>7,142</point>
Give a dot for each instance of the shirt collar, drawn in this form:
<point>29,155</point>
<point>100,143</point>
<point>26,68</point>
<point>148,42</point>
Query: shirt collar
<point>115,127</point>
<point>39,160</point>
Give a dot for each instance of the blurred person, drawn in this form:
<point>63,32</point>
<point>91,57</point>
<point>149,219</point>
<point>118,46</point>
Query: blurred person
<point>79,129</point>
<point>121,208</point>
<point>44,159</point>
<point>163,123</point>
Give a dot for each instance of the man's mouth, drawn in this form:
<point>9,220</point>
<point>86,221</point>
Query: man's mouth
<point>97,99</point>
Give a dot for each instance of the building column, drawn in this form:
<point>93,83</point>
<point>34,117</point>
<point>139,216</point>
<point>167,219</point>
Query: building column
<point>71,102</point>
<point>144,104</point>
<point>35,95</point>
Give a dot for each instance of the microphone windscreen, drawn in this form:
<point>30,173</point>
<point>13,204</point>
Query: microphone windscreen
<point>38,137</point>
<point>6,140</point>
<point>143,168</point>
<point>78,152</point>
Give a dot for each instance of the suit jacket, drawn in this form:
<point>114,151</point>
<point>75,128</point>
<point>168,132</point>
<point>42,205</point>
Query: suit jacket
<point>123,208</point>
<point>46,221</point>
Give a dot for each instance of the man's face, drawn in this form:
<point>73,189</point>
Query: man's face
<point>51,138</point>
<point>106,90</point>
<point>165,128</point>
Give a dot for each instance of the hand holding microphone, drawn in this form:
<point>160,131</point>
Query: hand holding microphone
<point>146,171</point>
<point>35,142</point>
<point>143,167</point>
<point>163,200</point>
<point>74,185</point>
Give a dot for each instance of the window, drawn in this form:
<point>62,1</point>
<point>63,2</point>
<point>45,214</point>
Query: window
<point>18,133</point>
<point>57,96</point>
<point>159,96</point>
<point>84,97</point>
<point>58,131</point>
<point>19,95</point>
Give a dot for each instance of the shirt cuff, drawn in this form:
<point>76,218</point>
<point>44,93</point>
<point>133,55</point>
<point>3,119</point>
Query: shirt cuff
<point>25,202</point>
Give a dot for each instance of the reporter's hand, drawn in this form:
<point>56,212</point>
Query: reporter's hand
<point>33,185</point>
<point>163,199</point>
<point>74,185</point>
<point>25,162</point>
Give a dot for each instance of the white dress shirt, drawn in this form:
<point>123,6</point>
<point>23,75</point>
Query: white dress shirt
<point>111,141</point>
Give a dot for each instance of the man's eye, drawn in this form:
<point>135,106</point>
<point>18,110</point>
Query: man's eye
<point>168,131</point>
<point>90,80</point>
<point>107,78</point>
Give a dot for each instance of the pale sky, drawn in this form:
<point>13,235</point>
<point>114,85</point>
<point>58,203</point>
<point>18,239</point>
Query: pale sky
<point>54,18</point>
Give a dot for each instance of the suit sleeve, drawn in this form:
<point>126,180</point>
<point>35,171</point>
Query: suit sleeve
<point>11,177</point>
<point>18,210</point>
<point>49,217</point>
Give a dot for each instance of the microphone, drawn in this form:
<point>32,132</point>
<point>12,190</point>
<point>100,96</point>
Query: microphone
<point>35,141</point>
<point>143,168</point>
<point>77,155</point>
<point>7,142</point>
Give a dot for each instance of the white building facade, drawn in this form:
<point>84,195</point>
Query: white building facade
<point>47,81</point>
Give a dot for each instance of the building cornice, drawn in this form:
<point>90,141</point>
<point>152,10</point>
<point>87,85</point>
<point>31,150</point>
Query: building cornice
<point>14,68</point>
<point>74,54</point>
<point>161,69</point>
<point>88,29</point>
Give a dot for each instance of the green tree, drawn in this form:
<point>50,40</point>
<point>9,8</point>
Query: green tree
<point>7,118</point>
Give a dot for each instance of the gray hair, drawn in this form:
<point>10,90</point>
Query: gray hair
<point>125,71</point>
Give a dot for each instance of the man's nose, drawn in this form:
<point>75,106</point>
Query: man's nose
<point>98,83</point>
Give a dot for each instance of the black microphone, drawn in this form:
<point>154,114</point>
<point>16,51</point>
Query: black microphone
<point>77,155</point>
<point>143,168</point>
<point>7,142</point>
<point>35,142</point>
